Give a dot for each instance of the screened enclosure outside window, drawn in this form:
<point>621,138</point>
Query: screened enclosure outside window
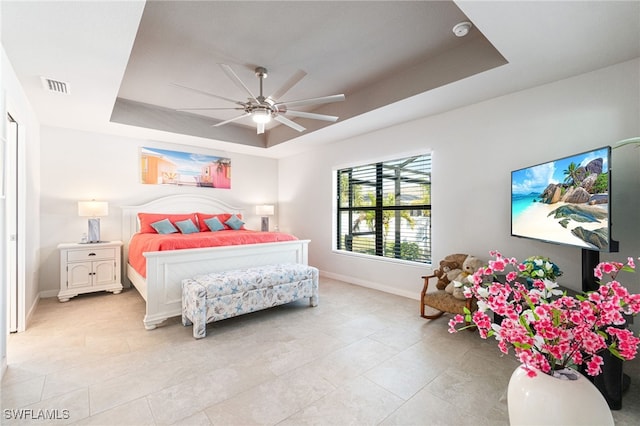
<point>384,209</point>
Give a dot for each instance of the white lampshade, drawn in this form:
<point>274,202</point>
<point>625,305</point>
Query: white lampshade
<point>93,208</point>
<point>265,210</point>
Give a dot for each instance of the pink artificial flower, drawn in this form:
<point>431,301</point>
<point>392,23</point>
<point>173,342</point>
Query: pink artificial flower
<point>576,357</point>
<point>608,267</point>
<point>497,265</point>
<point>627,343</point>
<point>597,272</point>
<point>593,365</point>
<point>618,289</point>
<point>632,303</point>
<point>482,320</point>
<point>455,321</point>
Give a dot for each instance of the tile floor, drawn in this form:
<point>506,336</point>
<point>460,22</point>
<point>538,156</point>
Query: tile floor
<point>362,357</point>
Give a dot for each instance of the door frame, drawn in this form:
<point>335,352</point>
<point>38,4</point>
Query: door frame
<point>15,209</point>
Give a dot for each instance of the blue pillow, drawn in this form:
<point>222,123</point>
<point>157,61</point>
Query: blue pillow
<point>234,222</point>
<point>187,226</point>
<point>164,226</point>
<point>214,224</point>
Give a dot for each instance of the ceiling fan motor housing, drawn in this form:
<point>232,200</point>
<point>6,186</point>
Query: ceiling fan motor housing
<point>261,72</point>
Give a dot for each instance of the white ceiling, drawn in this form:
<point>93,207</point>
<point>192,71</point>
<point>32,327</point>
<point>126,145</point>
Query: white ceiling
<point>395,61</point>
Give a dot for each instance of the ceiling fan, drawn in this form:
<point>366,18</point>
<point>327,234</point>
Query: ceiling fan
<point>262,109</point>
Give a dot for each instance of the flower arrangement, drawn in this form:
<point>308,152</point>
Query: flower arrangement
<point>547,329</point>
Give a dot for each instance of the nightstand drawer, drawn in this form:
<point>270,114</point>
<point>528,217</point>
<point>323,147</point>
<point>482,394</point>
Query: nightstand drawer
<point>91,254</point>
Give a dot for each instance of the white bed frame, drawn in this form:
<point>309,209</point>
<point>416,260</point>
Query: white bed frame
<point>162,289</point>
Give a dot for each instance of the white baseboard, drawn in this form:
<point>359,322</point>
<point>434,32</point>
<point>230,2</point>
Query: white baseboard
<point>31,311</point>
<point>48,293</point>
<point>3,367</point>
<point>371,285</point>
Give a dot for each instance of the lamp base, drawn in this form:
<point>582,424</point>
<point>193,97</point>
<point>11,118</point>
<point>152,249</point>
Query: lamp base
<point>94,231</point>
<point>265,224</point>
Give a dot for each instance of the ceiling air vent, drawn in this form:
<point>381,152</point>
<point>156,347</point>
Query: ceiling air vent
<point>55,86</point>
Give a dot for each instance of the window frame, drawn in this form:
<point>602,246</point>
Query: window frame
<point>339,241</point>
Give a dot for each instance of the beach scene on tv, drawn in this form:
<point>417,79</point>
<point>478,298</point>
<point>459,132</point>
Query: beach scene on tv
<point>565,201</point>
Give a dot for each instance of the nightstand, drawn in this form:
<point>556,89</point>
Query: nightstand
<point>85,268</point>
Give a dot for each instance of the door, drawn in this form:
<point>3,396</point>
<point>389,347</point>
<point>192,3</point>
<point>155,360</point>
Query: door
<point>79,275</point>
<point>104,272</point>
<point>11,187</point>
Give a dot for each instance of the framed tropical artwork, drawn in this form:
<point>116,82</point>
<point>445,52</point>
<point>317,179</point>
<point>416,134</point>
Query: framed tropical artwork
<point>165,167</point>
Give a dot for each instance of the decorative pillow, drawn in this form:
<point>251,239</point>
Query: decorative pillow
<point>187,226</point>
<point>214,224</point>
<point>164,226</point>
<point>146,219</point>
<point>222,217</point>
<point>234,222</point>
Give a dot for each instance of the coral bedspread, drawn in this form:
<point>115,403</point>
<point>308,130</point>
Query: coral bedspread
<point>143,243</point>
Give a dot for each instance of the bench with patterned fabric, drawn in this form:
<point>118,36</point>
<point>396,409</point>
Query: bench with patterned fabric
<point>220,295</point>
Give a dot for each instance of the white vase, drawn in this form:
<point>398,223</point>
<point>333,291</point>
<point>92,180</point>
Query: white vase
<point>547,400</point>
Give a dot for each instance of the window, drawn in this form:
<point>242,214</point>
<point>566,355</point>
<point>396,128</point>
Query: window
<point>384,209</point>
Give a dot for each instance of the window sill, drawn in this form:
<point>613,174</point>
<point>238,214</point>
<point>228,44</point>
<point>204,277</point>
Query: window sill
<point>381,258</point>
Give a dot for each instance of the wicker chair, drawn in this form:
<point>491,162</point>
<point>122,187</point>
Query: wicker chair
<point>442,301</point>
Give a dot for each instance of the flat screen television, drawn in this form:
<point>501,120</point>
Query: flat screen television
<point>565,201</point>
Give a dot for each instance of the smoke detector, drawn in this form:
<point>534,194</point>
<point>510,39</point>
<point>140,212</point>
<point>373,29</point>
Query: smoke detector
<point>462,29</point>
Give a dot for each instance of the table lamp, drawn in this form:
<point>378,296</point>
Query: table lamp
<point>94,210</point>
<point>265,210</point>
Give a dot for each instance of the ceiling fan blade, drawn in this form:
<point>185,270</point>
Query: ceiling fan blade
<point>206,109</point>
<point>232,75</point>
<point>312,101</point>
<point>289,123</point>
<point>312,115</point>
<point>260,128</point>
<point>293,80</point>
<point>202,92</point>
<point>231,119</point>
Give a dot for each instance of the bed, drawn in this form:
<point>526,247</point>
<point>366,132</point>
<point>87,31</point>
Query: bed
<point>160,282</point>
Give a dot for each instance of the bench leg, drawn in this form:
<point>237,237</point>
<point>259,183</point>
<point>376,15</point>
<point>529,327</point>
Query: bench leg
<point>199,318</point>
<point>185,320</point>
<point>313,300</point>
<point>199,329</point>
<point>194,308</point>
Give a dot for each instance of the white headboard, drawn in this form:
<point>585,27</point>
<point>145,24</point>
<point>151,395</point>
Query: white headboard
<point>171,204</point>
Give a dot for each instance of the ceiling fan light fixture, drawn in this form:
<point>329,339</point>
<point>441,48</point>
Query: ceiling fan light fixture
<point>261,116</point>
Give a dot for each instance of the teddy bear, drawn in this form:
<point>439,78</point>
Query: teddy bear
<point>469,266</point>
<point>449,263</point>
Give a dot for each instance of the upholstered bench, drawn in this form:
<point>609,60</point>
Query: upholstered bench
<point>220,295</point>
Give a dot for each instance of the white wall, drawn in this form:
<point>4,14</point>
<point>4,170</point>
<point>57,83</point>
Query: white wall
<point>474,149</point>
<point>14,101</point>
<point>79,165</point>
